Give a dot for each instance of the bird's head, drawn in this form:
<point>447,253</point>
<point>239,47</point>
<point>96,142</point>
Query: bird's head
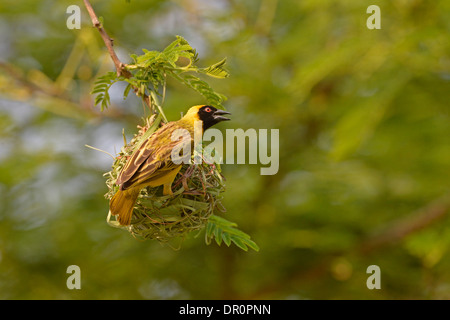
<point>207,114</point>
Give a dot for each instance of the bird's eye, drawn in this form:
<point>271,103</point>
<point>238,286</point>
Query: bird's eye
<point>208,109</point>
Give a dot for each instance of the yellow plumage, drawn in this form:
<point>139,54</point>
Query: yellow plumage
<point>151,164</point>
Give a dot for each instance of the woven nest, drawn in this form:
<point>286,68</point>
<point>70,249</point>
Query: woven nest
<point>197,194</point>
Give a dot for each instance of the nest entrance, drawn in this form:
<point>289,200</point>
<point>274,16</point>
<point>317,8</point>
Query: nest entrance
<point>197,194</point>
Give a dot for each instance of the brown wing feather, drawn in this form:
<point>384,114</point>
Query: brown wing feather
<point>151,161</point>
<point>134,163</point>
<point>143,177</point>
<point>145,151</point>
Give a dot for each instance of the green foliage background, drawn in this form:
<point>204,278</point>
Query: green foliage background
<point>364,150</point>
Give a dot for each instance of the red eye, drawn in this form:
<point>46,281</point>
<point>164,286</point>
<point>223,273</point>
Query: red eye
<point>208,109</point>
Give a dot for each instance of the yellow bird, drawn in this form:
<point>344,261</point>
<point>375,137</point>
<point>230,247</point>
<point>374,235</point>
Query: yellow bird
<point>151,164</point>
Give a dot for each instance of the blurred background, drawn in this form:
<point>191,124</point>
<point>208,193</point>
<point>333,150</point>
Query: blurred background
<point>364,150</point>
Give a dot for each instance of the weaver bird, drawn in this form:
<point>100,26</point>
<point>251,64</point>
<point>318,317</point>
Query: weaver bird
<point>151,164</point>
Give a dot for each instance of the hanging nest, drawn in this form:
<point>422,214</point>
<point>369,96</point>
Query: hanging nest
<point>197,194</point>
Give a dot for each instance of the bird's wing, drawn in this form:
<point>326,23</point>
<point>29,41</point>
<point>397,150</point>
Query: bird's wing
<point>133,164</point>
<point>146,173</point>
<point>151,161</point>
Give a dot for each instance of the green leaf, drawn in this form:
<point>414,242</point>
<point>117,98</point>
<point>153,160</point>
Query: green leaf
<point>239,243</point>
<point>101,87</point>
<point>223,230</point>
<point>216,70</point>
<point>209,229</point>
<point>150,70</point>
<point>226,238</point>
<point>202,88</point>
<point>218,235</point>
<point>127,91</point>
<point>221,221</point>
<point>252,244</point>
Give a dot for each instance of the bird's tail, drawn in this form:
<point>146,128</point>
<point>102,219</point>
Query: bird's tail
<point>122,204</point>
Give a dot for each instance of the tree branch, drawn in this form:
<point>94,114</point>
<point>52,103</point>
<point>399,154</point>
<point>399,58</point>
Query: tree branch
<point>388,235</point>
<point>120,67</point>
<point>399,229</point>
<point>121,71</point>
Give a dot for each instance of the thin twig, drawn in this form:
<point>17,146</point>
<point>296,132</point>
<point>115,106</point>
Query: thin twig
<point>109,154</point>
<point>121,71</point>
<point>120,67</point>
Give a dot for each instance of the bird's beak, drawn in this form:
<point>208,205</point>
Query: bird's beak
<point>218,115</point>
